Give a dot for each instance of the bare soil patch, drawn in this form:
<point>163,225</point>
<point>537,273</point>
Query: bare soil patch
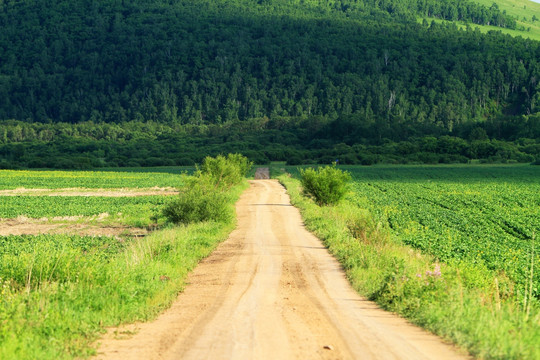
<point>75,225</point>
<point>122,192</point>
<point>272,291</point>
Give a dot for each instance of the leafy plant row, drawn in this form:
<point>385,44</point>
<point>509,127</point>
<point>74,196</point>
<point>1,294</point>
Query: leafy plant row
<point>489,222</point>
<point>58,206</point>
<point>10,179</point>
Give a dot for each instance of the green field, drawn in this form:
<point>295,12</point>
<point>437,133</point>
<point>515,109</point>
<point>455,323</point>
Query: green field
<point>448,247</point>
<point>129,210</point>
<point>134,178</point>
<point>484,215</point>
<point>533,33</point>
<point>520,9</point>
<point>59,292</point>
<point>479,215</point>
<point>132,211</point>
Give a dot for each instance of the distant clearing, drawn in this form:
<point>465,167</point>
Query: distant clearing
<point>533,34</point>
<point>522,10</point>
<point>262,173</point>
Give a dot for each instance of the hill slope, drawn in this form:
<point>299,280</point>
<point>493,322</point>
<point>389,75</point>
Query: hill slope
<point>310,73</point>
<point>206,61</point>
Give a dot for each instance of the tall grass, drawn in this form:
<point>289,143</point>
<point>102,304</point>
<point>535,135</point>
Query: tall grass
<point>461,301</point>
<point>58,293</point>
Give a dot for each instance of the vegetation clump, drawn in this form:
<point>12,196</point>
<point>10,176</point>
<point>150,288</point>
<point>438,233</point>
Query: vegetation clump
<point>224,172</point>
<point>205,196</point>
<point>326,185</point>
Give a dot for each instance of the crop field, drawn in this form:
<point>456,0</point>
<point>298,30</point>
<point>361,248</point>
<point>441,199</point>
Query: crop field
<point>63,278</point>
<point>65,206</point>
<point>58,290</point>
<point>13,179</point>
<point>53,254</point>
<point>479,215</point>
<point>71,199</point>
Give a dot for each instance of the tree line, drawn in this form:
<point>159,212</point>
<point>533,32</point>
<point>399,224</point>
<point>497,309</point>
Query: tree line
<point>297,141</point>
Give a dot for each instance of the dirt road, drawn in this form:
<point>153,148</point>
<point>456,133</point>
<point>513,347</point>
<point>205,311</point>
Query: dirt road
<point>262,173</point>
<point>272,291</point>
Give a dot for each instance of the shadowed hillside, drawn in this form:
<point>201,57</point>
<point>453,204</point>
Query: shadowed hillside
<point>367,67</point>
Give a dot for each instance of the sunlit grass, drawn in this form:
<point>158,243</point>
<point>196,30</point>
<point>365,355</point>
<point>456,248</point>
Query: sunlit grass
<point>59,292</point>
<point>463,300</point>
<point>522,10</point>
<point>533,33</point>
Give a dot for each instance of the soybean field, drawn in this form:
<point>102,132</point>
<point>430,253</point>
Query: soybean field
<point>481,215</point>
<point>13,179</point>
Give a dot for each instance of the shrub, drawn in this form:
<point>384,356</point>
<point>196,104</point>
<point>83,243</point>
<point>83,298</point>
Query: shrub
<point>133,163</point>
<point>35,164</point>
<point>185,161</point>
<point>327,185</point>
<point>199,201</point>
<point>205,196</point>
<point>225,172</point>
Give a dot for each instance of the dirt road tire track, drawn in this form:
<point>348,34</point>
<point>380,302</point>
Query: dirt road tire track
<point>272,291</point>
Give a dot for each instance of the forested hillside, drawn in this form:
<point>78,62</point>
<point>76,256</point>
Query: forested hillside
<point>367,64</point>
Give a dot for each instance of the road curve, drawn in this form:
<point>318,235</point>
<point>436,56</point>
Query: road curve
<point>272,291</point>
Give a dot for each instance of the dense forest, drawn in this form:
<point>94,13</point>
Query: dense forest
<point>277,79</point>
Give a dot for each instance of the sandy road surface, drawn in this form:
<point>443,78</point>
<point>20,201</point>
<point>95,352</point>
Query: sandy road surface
<point>272,291</point>
<point>262,173</point>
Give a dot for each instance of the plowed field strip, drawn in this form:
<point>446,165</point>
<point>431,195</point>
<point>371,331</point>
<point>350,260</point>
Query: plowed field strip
<point>122,192</point>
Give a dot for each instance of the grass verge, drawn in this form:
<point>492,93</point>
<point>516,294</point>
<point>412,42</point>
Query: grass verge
<point>462,302</point>
<point>67,294</point>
